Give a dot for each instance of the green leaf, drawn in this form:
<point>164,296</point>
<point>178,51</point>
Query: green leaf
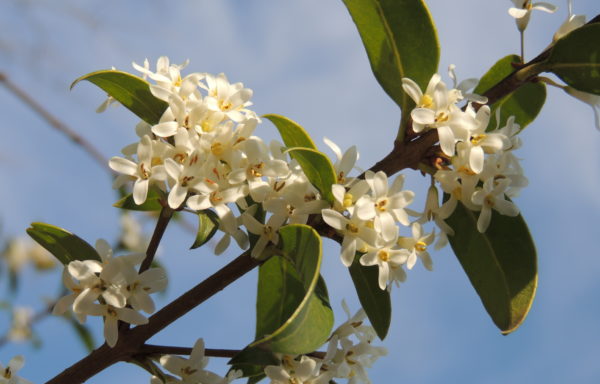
<point>576,59</point>
<point>252,361</point>
<point>152,203</point>
<point>208,223</point>
<point>64,245</point>
<point>525,103</point>
<point>131,91</point>
<point>318,169</point>
<point>374,300</point>
<point>292,134</point>
<point>84,334</point>
<point>293,312</point>
<point>500,263</point>
<point>401,41</point>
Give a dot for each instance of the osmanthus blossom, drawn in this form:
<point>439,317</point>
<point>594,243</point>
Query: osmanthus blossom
<point>112,316</point>
<point>385,257</point>
<point>386,205</point>
<point>8,373</point>
<point>417,246</point>
<point>522,11</point>
<point>20,324</point>
<point>183,177</point>
<point>345,199</point>
<point>144,171</point>
<point>590,99</point>
<point>437,109</point>
<point>344,162</point>
<point>192,370</point>
<point>573,22</point>
<point>306,370</point>
<point>268,232</point>
<point>111,288</point>
<point>357,233</point>
<point>491,196</point>
<point>231,99</point>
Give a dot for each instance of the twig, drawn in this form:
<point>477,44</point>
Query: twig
<point>161,225</point>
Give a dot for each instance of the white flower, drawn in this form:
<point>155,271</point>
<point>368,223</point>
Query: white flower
<point>8,373</point>
<point>344,161</point>
<point>573,22</point>
<point>144,172</point>
<point>589,98</point>
<point>491,196</point>
<point>20,328</point>
<point>112,316</point>
<point>357,233</point>
<point>417,246</point>
<point>386,206</point>
<point>384,258</point>
<point>192,370</point>
<point>303,371</point>
<point>522,11</point>
<point>268,233</point>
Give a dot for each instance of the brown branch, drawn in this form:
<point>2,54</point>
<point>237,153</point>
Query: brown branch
<point>53,121</point>
<point>130,341</point>
<point>161,225</point>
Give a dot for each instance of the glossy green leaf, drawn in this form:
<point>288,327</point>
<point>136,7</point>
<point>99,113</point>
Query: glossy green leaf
<point>131,91</point>
<point>401,41</point>
<point>208,223</point>
<point>318,169</point>
<point>64,245</point>
<point>293,312</point>
<point>525,103</point>
<point>501,264</point>
<point>292,134</point>
<point>152,203</point>
<point>576,59</point>
<point>374,300</point>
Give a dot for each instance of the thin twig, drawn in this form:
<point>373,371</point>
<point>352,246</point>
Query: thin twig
<point>53,121</point>
<point>161,225</point>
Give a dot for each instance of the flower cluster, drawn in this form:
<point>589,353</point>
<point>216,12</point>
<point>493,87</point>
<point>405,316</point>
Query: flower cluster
<point>203,154</point>
<point>482,169</point>
<point>349,353</point>
<point>192,370</point>
<point>111,288</point>
<point>366,213</point>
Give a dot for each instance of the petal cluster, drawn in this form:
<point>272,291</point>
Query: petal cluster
<point>111,288</point>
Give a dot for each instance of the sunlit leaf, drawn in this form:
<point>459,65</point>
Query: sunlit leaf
<point>401,41</point>
<point>500,263</point>
<point>576,59</point>
<point>293,311</point>
<point>525,103</point>
<point>208,223</point>
<point>292,134</point>
<point>64,245</point>
<point>318,169</point>
<point>152,203</point>
<point>131,91</point>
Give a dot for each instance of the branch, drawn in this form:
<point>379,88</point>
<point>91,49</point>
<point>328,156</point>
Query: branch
<point>54,122</point>
<point>161,225</point>
<point>149,349</point>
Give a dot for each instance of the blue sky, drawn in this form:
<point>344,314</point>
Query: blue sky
<point>304,60</point>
